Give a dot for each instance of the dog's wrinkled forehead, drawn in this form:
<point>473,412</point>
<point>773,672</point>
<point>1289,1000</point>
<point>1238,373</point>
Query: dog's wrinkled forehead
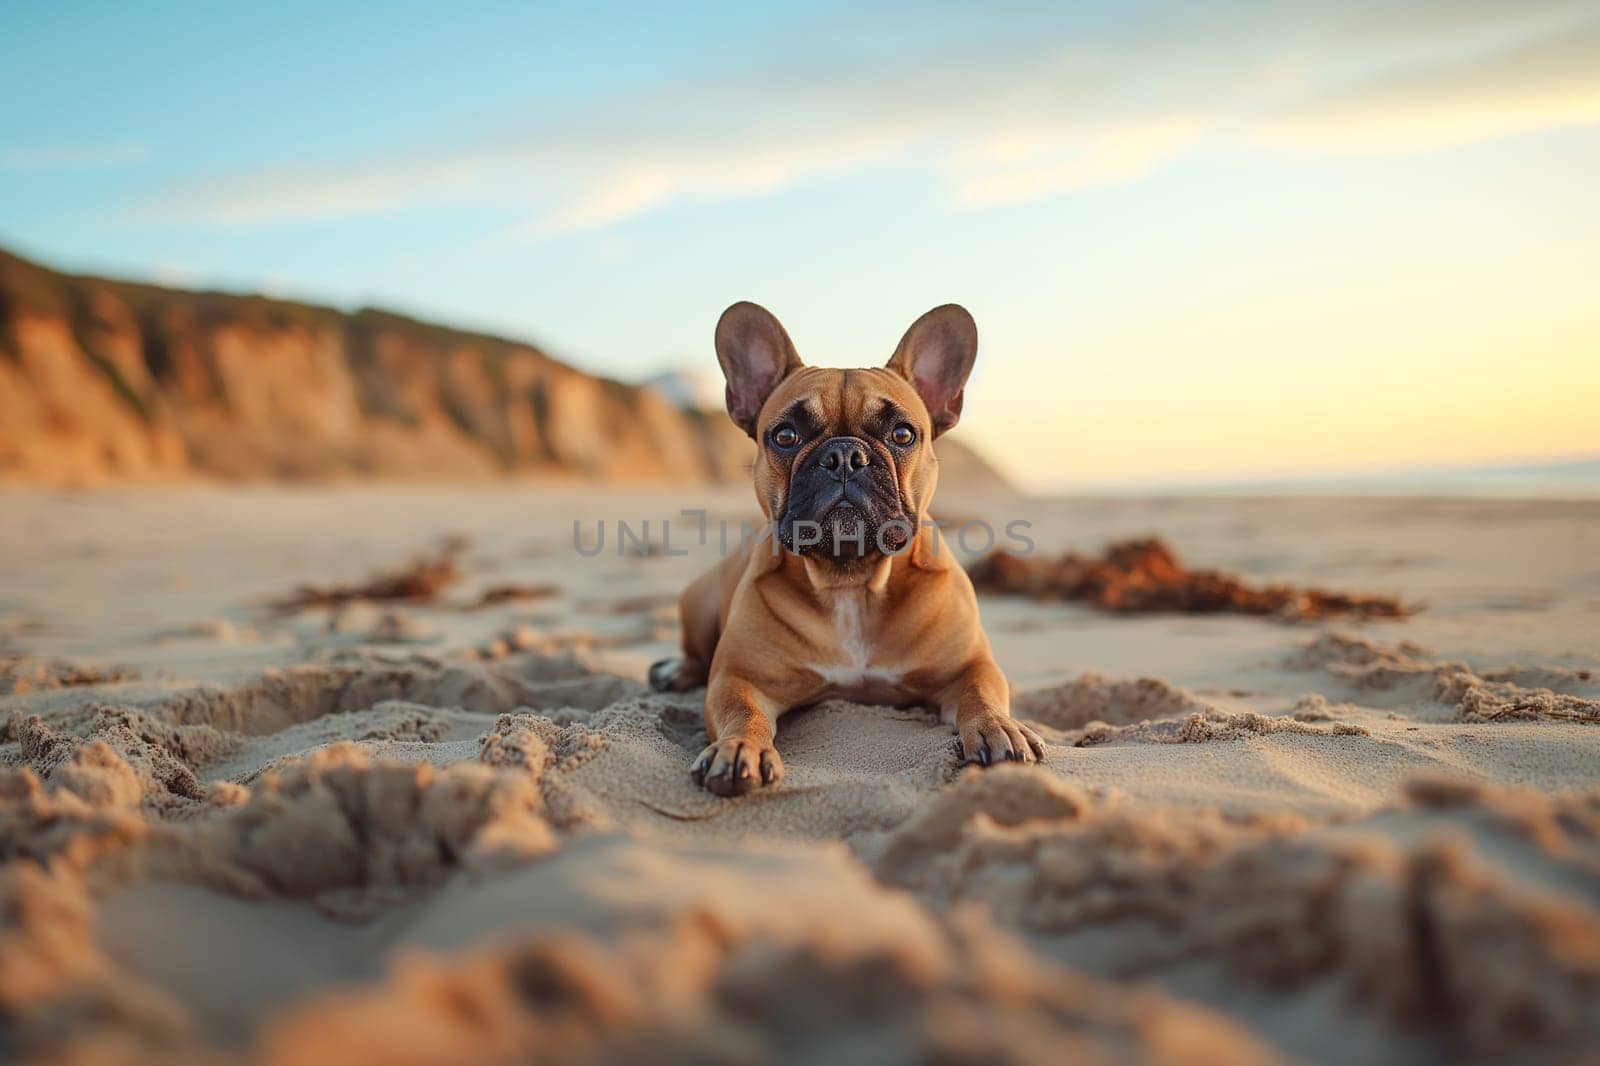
<point>844,403</point>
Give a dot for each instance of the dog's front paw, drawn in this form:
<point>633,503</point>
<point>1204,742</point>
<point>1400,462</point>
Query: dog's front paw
<point>734,766</point>
<point>990,738</point>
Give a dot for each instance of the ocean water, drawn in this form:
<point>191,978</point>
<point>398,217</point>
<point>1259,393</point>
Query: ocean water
<point>1562,479</point>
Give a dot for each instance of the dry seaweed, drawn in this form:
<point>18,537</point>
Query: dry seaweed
<point>1145,575</point>
<point>26,673</point>
<point>420,581</point>
<point>495,595</point>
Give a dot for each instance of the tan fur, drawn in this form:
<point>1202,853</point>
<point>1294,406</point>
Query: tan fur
<point>770,631</point>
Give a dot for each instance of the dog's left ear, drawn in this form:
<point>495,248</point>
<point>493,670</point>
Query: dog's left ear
<point>936,355</point>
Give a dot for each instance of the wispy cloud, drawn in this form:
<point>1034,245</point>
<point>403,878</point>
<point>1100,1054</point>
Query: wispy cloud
<point>54,158</point>
<point>1015,107</point>
<point>1552,80</point>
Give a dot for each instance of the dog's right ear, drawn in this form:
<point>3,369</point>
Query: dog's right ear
<point>755,354</point>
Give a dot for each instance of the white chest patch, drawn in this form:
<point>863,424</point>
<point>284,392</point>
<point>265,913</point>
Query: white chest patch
<point>855,673</point>
<point>847,622</point>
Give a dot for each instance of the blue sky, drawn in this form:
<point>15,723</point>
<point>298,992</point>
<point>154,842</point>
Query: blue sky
<point>1200,240</point>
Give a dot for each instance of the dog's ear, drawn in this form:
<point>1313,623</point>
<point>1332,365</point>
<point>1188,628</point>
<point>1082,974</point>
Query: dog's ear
<point>755,354</point>
<point>936,355</point>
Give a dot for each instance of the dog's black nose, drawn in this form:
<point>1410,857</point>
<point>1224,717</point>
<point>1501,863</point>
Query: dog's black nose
<point>844,456</point>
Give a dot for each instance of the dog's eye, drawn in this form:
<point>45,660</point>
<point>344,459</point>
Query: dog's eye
<point>903,435</point>
<point>785,436</point>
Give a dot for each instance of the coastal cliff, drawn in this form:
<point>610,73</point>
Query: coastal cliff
<point>104,380</point>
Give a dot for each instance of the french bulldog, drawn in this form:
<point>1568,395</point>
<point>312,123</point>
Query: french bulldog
<point>853,595</point>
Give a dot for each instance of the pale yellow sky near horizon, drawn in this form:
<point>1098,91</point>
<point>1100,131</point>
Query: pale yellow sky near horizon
<point>1375,389</point>
<point>1456,333</point>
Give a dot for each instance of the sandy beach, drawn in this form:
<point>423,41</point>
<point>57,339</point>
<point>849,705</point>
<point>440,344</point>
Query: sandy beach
<point>461,828</point>
<point>376,379</point>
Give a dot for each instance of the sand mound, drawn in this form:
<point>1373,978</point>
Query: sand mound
<point>298,694</point>
<point>121,789</point>
<point>1413,912</point>
<point>1506,694</point>
<point>1092,698</point>
<point>115,766</point>
<point>703,992</point>
<point>1484,699</point>
<point>337,828</point>
<point>1146,575</point>
<point>550,753</point>
<point>58,827</point>
<point>354,835</point>
<point>1202,726</point>
<point>61,998</point>
<point>1150,710</point>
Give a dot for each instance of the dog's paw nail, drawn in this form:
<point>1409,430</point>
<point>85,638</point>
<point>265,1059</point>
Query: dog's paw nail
<point>735,767</point>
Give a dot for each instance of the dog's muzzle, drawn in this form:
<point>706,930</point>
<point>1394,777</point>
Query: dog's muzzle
<point>844,503</point>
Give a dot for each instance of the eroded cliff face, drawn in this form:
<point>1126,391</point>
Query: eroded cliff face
<point>107,380</point>
<point>110,380</point>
